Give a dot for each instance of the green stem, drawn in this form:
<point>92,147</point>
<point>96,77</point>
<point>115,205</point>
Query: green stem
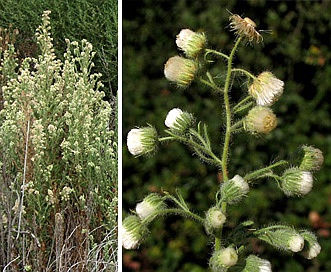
<point>248,74</point>
<point>228,113</point>
<point>204,148</point>
<point>181,212</point>
<point>263,171</point>
<point>210,51</point>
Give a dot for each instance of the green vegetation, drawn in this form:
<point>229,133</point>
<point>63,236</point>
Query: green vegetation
<point>58,145</point>
<point>297,51</point>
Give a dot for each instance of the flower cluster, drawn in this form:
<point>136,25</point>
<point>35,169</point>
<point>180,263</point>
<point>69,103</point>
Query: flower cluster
<point>252,114</point>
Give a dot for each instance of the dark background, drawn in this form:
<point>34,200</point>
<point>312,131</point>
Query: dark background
<point>298,52</point>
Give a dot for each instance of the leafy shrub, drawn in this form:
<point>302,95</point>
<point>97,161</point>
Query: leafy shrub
<point>58,160</point>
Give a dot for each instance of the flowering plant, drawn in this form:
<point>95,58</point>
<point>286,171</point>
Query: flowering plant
<point>230,251</point>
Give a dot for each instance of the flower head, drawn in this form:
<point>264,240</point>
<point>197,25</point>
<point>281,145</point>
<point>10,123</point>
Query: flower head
<point>313,159</point>
<point>266,89</point>
<point>284,238</point>
<point>179,121</point>
<point>234,190</point>
<point>245,28</point>
<point>142,141</point>
<point>133,232</point>
<point>256,264</point>
<point>215,219</point>
<point>260,120</point>
<point>296,182</point>
<point>149,205</point>
<point>190,42</point>
<point>313,248</point>
<point>180,70</point>
<point>222,259</point>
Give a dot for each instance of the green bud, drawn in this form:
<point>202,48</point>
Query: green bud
<point>222,259</point>
<point>234,190</point>
<point>150,205</point>
<point>190,42</point>
<point>313,159</point>
<point>133,232</point>
<point>215,219</point>
<point>178,121</point>
<point>256,264</point>
<point>284,238</point>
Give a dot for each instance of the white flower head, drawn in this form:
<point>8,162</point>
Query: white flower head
<point>296,182</point>
<point>222,259</point>
<point>215,219</point>
<point>150,205</point>
<point>180,70</point>
<point>142,141</point>
<point>260,120</point>
<point>266,89</point>
<point>133,232</point>
<point>179,121</point>
<point>296,243</point>
<point>190,42</point>
<point>313,248</point>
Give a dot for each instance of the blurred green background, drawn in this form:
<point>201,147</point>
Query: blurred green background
<point>298,52</point>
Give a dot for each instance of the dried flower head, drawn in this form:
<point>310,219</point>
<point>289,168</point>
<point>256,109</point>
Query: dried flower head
<point>245,28</point>
<point>313,159</point>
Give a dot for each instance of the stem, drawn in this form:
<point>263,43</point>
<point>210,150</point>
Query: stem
<point>248,74</point>
<point>261,172</point>
<point>208,51</point>
<point>205,149</point>
<point>228,113</point>
<point>181,212</point>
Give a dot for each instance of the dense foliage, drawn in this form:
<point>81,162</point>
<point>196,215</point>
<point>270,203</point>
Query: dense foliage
<point>95,21</point>
<point>297,51</point>
<point>58,159</point>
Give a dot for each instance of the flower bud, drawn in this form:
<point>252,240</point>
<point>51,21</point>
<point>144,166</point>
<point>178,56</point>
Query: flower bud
<point>222,259</point>
<point>150,205</point>
<point>180,70</point>
<point>312,160</point>
<point>133,232</point>
<point>141,141</point>
<point>234,190</point>
<point>296,182</point>
<point>266,89</point>
<point>260,120</point>
<point>256,264</point>
<point>285,238</point>
<point>190,42</point>
<point>215,219</point>
<point>313,248</point>
<point>178,121</point>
